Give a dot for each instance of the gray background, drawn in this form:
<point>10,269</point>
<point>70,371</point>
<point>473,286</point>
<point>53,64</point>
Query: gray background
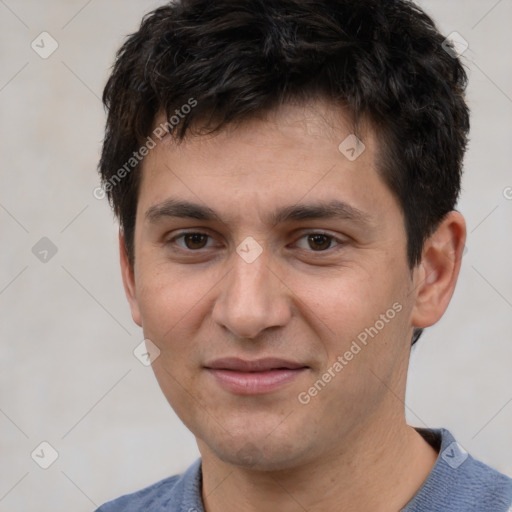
<point>68,374</point>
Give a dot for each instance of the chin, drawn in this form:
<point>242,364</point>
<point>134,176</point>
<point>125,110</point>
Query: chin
<point>269,455</point>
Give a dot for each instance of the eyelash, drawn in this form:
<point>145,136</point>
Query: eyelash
<point>329,250</point>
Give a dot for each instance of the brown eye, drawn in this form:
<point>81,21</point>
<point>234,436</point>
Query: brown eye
<point>195,240</point>
<point>319,241</point>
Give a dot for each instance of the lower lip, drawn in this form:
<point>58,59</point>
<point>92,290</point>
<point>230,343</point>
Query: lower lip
<point>254,383</point>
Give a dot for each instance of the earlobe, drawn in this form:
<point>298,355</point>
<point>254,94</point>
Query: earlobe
<point>127,272</point>
<point>436,276</point>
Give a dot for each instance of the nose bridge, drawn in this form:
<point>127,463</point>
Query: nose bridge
<point>250,279</point>
<point>250,300</point>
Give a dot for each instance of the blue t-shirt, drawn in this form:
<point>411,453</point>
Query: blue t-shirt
<point>457,483</point>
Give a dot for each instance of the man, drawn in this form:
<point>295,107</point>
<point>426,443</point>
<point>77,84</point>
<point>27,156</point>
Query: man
<point>285,174</point>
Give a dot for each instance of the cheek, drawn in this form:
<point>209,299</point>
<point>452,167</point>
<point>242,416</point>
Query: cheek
<point>346,302</point>
<point>168,292</point>
<point>168,305</point>
<point>361,320</point>
<point>172,308</point>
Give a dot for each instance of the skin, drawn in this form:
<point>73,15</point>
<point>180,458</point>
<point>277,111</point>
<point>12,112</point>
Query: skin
<point>350,444</point>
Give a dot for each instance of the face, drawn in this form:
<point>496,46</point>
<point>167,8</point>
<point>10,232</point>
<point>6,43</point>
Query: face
<point>279,295</point>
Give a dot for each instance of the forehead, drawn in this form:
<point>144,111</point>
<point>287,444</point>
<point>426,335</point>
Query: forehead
<point>316,118</point>
<point>294,153</point>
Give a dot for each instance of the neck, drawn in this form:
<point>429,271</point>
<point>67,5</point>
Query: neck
<point>378,468</point>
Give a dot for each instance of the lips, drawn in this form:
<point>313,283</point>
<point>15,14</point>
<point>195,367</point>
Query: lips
<point>260,376</point>
<point>259,365</point>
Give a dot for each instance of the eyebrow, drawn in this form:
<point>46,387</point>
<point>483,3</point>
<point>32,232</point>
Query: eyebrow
<point>333,209</point>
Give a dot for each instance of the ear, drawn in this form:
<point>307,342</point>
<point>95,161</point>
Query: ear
<point>128,275</point>
<point>436,275</point>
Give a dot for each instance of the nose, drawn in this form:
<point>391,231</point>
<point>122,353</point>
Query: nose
<point>253,298</point>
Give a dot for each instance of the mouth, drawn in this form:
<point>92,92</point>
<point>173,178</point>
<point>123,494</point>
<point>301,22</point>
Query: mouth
<point>254,377</point>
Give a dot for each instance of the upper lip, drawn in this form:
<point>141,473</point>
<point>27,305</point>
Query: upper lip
<point>258,365</point>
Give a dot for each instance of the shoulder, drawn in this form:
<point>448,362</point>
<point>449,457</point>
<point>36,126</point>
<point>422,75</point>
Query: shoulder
<point>140,500</point>
<point>172,493</point>
<point>458,482</point>
<point>485,485</point>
